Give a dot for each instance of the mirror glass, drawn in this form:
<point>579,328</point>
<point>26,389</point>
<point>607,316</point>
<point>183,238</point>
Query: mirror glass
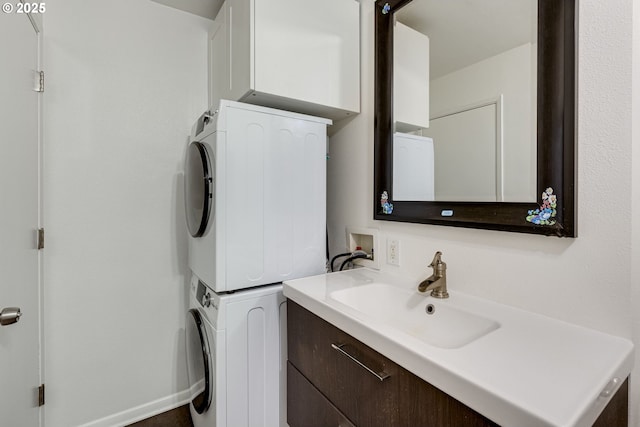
<point>464,101</point>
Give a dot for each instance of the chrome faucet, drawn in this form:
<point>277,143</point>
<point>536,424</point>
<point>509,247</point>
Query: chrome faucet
<point>437,282</point>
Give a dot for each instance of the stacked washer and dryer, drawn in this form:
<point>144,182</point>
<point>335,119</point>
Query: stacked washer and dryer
<point>255,184</point>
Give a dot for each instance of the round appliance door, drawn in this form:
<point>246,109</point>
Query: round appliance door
<point>198,188</point>
<point>200,362</point>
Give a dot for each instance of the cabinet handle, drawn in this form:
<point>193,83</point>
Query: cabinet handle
<point>341,348</point>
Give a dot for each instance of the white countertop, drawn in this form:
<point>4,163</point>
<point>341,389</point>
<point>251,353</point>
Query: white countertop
<point>532,371</point>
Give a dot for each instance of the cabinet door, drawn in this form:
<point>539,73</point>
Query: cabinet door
<point>410,79</point>
<point>308,51</point>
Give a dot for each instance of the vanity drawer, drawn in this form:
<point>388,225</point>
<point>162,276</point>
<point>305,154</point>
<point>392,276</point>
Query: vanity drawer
<point>307,407</point>
<point>317,349</point>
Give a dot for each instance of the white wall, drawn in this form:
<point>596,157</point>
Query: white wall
<point>508,74</point>
<point>125,81</point>
<point>585,280</point>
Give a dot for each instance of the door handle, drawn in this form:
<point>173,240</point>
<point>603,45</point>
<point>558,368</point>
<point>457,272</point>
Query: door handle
<point>9,316</point>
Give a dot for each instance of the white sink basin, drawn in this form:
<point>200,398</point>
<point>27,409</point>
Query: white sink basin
<point>430,320</point>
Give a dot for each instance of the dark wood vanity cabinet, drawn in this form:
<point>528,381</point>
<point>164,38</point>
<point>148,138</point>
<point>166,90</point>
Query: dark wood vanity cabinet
<point>326,387</point>
<point>308,407</point>
<point>321,376</point>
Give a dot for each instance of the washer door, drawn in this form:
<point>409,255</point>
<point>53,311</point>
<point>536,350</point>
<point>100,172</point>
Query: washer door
<point>198,188</point>
<point>200,362</point>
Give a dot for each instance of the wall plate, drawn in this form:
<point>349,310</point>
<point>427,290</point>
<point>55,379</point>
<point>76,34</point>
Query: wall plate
<point>367,239</point>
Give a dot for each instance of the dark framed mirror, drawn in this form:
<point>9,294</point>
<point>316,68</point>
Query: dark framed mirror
<point>423,175</point>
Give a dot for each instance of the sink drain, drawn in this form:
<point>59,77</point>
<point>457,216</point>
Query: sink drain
<point>430,309</point>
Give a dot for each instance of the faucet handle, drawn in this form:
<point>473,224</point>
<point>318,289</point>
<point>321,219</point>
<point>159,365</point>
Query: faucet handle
<point>437,259</point>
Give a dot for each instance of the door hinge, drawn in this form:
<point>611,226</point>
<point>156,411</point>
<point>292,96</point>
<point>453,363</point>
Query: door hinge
<point>38,81</point>
<point>40,238</point>
<point>41,395</point>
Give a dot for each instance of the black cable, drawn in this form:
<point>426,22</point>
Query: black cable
<point>338,256</point>
<point>351,258</point>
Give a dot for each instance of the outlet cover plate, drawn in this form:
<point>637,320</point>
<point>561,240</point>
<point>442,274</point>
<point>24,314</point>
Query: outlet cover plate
<point>393,252</point>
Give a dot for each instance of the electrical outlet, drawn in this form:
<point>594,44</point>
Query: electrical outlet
<point>393,252</point>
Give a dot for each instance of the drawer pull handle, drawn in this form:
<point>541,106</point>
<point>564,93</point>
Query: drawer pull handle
<point>341,348</point>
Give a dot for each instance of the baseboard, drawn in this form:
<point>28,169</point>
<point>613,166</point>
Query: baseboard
<point>142,412</point>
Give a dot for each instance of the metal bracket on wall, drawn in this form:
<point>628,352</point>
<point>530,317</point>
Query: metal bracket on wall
<point>40,238</point>
<point>38,81</point>
<point>41,395</point>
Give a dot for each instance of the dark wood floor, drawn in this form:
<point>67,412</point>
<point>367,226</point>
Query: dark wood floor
<point>179,417</point>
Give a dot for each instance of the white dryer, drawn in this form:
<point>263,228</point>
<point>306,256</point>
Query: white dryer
<point>255,186</point>
<point>236,357</point>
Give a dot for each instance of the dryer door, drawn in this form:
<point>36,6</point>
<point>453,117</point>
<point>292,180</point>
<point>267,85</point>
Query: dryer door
<point>200,362</point>
<point>198,188</point>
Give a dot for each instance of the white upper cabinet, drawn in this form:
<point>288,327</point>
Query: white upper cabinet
<point>410,79</point>
<point>296,55</point>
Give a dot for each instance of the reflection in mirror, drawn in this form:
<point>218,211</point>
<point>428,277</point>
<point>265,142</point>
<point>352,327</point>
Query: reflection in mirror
<point>465,95</point>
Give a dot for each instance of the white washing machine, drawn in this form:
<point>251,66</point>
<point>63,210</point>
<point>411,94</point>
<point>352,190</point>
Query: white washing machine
<point>255,196</point>
<point>236,357</point>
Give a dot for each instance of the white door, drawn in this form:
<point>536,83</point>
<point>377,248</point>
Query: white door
<point>469,140</point>
<point>19,220</point>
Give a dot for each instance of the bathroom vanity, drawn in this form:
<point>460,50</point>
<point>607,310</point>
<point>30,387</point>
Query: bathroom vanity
<point>354,363</point>
<point>388,396</point>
